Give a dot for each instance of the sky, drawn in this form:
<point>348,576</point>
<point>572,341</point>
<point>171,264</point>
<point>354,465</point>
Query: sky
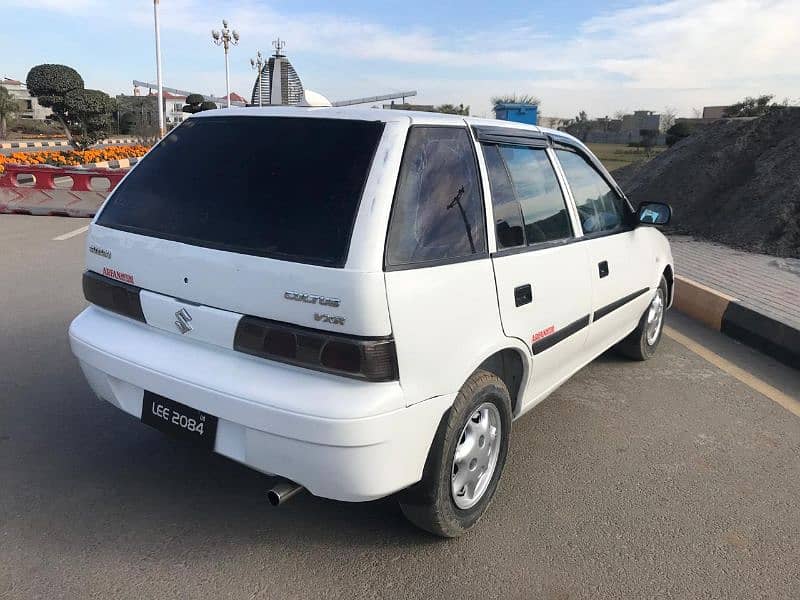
<point>601,57</point>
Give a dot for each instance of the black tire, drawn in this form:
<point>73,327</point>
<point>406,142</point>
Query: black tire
<point>429,504</point>
<point>636,346</point>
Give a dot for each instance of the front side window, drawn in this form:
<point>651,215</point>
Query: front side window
<point>438,207</point>
<point>600,208</point>
<point>527,202</point>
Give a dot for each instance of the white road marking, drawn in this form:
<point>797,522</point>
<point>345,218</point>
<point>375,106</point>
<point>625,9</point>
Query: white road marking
<point>750,380</point>
<point>70,234</point>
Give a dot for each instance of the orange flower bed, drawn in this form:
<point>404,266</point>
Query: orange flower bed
<point>72,158</point>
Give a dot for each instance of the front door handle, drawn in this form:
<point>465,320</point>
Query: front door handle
<point>523,294</point>
<point>602,267</point>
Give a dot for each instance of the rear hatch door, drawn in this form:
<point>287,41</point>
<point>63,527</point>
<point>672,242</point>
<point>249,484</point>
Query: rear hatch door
<point>246,215</point>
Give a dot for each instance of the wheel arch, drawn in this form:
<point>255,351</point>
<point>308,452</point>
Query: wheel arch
<point>512,365</point>
<point>669,275</point>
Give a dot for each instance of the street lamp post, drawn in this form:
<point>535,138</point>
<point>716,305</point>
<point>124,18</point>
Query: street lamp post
<point>226,38</point>
<point>158,71</point>
<point>258,64</point>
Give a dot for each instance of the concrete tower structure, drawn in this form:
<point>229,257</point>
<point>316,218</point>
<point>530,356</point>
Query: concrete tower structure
<point>280,83</point>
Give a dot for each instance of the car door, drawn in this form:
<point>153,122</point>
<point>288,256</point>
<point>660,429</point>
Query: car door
<point>543,287</point>
<point>618,256</point>
<point>438,274</point>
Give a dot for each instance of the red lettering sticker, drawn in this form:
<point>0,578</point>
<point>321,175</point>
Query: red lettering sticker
<point>118,275</point>
<point>543,333</point>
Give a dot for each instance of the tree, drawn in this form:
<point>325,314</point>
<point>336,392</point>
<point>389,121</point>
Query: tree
<point>678,131</point>
<point>580,126</point>
<point>452,109</point>
<point>649,137</point>
<point>195,103</point>
<point>50,84</point>
<point>9,106</point>
<point>667,118</point>
<point>91,110</point>
<point>752,107</point>
<point>84,114</point>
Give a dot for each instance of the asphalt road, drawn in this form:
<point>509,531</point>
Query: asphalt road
<point>666,479</point>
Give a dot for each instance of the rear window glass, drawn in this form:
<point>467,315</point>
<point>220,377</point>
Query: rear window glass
<point>282,187</point>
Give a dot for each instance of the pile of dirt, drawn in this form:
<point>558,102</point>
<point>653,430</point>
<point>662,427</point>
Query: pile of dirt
<point>735,182</point>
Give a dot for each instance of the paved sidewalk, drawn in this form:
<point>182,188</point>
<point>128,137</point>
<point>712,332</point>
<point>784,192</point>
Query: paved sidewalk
<point>766,284</point>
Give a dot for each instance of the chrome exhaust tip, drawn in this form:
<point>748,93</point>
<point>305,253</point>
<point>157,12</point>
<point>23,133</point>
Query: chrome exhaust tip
<point>283,491</point>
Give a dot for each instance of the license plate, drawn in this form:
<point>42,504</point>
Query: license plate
<point>179,420</point>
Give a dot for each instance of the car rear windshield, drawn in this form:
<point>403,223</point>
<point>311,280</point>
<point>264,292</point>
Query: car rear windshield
<point>282,187</point>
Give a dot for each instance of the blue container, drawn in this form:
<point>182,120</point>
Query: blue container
<point>521,113</point>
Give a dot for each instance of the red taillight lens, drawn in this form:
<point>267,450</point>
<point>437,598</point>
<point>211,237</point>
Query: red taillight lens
<point>370,359</point>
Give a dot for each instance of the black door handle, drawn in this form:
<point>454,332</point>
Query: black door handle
<point>523,294</point>
<point>603,268</point>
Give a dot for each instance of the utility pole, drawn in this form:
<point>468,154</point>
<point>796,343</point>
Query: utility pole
<point>160,98</point>
<point>226,38</point>
<point>258,63</point>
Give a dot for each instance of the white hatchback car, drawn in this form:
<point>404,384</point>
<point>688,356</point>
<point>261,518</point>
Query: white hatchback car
<point>362,301</point>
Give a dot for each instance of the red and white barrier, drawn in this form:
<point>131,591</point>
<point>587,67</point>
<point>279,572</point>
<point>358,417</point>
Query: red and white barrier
<point>48,190</point>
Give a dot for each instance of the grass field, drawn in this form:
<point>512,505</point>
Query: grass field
<point>614,156</point>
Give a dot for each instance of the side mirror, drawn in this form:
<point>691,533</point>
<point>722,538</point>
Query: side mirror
<point>654,213</point>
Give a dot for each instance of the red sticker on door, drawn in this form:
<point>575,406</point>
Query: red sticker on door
<point>543,333</point>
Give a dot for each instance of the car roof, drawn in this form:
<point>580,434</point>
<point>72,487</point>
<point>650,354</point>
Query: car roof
<point>411,117</point>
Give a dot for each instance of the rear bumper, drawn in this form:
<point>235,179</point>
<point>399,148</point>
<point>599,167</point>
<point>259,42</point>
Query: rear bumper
<point>342,439</point>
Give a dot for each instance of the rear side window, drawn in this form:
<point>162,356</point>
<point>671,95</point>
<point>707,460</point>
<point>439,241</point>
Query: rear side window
<point>438,206</point>
<point>280,187</point>
<point>527,202</point>
<point>600,208</point>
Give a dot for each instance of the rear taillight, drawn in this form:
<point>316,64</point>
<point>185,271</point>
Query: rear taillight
<point>370,359</point>
<point>113,295</point>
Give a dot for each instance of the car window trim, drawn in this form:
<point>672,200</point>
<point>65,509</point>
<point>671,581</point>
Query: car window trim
<point>609,182</point>
<point>565,196</point>
<point>594,162</point>
<point>494,134</point>
<point>387,268</point>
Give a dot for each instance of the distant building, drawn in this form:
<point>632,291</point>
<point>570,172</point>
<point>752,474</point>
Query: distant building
<point>279,82</point>
<point>715,112</point>
<point>553,122</point>
<point>31,109</point>
<point>518,112</point>
<point>173,108</point>
<point>641,120</point>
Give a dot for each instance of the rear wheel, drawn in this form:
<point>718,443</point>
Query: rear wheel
<point>642,343</point>
<point>465,461</point>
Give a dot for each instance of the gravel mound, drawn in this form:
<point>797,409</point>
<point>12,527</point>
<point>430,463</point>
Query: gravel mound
<point>734,182</point>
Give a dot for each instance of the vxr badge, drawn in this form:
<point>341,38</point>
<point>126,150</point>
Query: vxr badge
<point>182,318</point>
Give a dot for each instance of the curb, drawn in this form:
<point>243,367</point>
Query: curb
<point>10,145</point>
<point>122,163</point>
<point>62,143</point>
<point>727,315</point>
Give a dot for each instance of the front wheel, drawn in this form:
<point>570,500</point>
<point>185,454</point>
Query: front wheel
<point>642,343</point>
<point>465,461</point>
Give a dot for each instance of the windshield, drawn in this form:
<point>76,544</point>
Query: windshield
<point>280,187</point>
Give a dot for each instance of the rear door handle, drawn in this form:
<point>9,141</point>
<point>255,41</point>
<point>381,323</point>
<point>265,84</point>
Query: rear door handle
<point>602,267</point>
<point>523,294</point>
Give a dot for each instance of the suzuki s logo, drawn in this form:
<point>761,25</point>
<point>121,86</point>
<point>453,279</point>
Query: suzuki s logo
<point>182,318</point>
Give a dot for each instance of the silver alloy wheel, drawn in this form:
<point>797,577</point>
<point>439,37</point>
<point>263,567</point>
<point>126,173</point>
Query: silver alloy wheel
<point>476,456</point>
<point>655,317</point>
